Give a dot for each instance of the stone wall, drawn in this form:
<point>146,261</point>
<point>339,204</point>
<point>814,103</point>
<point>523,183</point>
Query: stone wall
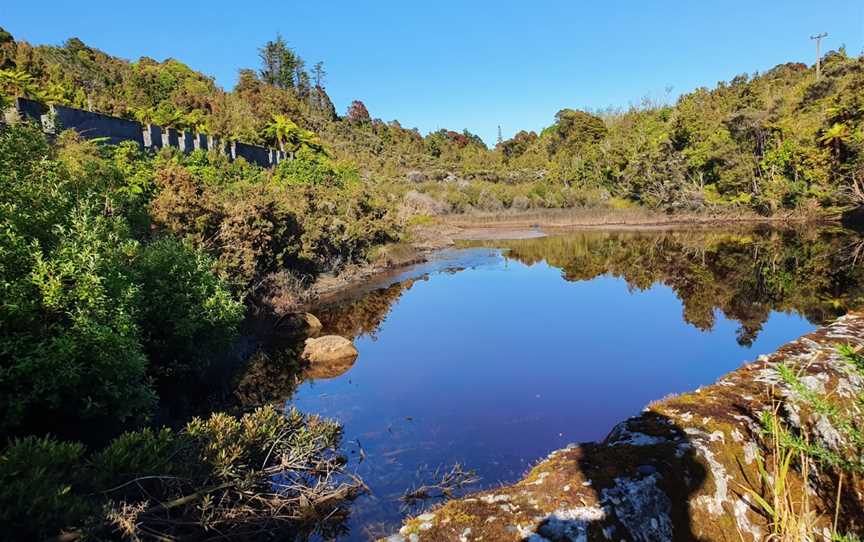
<point>681,470</point>
<point>115,130</point>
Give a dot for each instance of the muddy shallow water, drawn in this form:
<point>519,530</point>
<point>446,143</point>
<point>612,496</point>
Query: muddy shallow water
<point>495,355</point>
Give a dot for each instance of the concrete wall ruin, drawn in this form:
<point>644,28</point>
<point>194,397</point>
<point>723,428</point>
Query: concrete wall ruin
<point>114,130</point>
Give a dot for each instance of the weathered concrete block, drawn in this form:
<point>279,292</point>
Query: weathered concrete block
<point>95,125</point>
<point>200,142</point>
<point>152,136</point>
<point>184,142</point>
<point>169,138</point>
<point>30,109</point>
<point>252,154</point>
<point>48,124</point>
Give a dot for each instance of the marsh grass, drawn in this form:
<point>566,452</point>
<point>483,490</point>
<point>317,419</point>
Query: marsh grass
<point>791,459</point>
<point>788,511</point>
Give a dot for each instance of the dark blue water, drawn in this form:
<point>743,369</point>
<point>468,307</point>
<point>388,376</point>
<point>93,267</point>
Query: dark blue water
<point>496,365</point>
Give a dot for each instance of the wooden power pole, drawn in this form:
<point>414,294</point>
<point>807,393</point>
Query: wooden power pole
<point>818,39</point>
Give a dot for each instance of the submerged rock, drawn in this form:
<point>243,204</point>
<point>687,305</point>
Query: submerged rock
<point>329,350</point>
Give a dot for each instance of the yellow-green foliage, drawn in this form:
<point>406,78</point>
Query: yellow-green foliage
<point>116,268</point>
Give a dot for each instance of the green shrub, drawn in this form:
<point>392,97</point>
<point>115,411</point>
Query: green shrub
<point>259,234</point>
<point>264,469</point>
<point>186,313</point>
<point>89,314</point>
<point>255,227</point>
<point>341,225</point>
<point>185,206</point>
<point>138,454</point>
<point>41,488</point>
<point>311,168</point>
<point>71,349</point>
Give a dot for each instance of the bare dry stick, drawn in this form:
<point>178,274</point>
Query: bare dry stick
<point>443,488</point>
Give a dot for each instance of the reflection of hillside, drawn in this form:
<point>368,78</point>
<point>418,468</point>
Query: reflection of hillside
<point>362,316</point>
<point>745,274</point>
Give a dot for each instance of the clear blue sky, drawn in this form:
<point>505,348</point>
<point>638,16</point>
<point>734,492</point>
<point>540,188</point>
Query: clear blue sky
<point>464,64</point>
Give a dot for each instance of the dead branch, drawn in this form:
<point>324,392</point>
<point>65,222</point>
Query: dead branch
<point>446,483</point>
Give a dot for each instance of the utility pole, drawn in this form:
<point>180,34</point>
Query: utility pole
<point>818,39</point>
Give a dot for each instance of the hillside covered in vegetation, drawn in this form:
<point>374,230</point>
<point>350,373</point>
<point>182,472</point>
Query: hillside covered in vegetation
<point>124,280</point>
<point>771,142</point>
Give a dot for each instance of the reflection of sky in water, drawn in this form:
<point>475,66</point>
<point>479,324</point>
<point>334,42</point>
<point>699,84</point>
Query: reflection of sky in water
<point>500,364</point>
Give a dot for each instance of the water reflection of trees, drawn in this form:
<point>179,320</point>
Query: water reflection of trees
<point>745,274</point>
<point>361,316</point>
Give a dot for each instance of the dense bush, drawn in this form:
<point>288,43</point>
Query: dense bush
<point>309,168</point>
<point>90,313</point>
<point>186,314</point>
<point>257,226</point>
<point>42,487</point>
<point>771,142</point>
<point>70,345</point>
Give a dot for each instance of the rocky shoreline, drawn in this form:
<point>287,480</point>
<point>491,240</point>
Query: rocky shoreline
<point>681,470</point>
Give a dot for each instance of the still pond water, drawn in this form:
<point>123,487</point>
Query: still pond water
<point>492,356</point>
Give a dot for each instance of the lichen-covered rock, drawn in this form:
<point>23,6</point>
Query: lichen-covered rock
<point>329,349</point>
<point>680,470</point>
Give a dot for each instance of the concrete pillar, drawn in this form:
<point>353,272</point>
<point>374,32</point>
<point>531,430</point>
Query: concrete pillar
<point>200,142</point>
<point>48,120</point>
<point>217,145</point>
<point>152,136</point>
<point>184,142</point>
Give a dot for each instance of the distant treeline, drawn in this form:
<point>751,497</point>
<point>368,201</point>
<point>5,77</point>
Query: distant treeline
<point>771,142</point>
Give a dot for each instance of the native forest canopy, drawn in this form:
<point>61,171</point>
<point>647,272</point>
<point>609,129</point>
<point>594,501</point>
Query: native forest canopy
<point>142,291</point>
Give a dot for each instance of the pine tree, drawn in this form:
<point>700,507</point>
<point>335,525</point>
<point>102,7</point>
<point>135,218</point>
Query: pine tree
<point>279,63</point>
<point>319,73</point>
